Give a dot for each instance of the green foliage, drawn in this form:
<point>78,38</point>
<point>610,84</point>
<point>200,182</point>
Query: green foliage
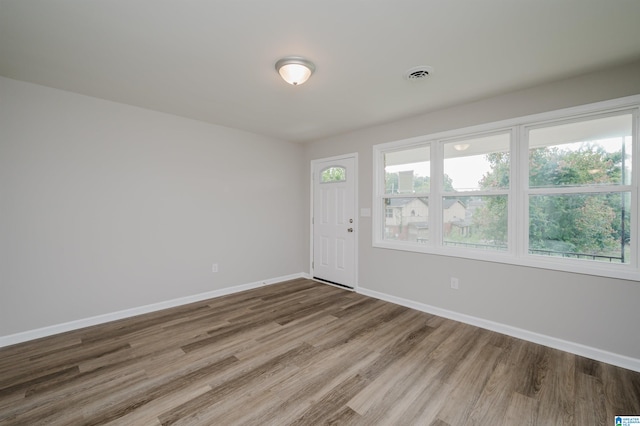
<point>490,220</point>
<point>567,223</point>
<point>499,175</point>
<point>589,165</point>
<point>594,224</point>
<point>575,223</point>
<point>334,174</point>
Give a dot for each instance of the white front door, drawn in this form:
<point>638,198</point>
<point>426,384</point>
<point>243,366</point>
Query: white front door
<point>334,220</point>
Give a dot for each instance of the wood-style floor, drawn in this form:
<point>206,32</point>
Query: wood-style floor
<point>303,353</point>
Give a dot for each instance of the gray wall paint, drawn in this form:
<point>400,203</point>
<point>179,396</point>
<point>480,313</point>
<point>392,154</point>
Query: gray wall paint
<point>594,311</point>
<point>106,207</point>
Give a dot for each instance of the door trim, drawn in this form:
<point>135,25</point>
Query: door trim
<point>353,155</point>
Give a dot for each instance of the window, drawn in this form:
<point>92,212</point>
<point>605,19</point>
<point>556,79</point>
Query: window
<point>475,191</point>
<point>405,199</point>
<point>555,190</point>
<point>333,174</point>
<point>579,189</point>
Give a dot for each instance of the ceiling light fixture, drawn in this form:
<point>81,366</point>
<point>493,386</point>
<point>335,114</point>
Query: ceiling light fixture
<point>294,69</point>
<point>461,146</point>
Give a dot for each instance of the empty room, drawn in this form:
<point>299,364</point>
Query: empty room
<point>334,212</point>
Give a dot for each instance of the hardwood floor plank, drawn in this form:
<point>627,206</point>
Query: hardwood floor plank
<point>397,396</point>
<point>146,394</point>
<point>129,326</point>
<point>149,415</point>
<point>427,404</point>
<point>621,391</point>
<point>68,408</point>
<point>322,371</point>
<point>522,410</point>
<point>590,404</point>
<point>22,383</point>
<point>291,334</point>
<point>408,374</point>
<point>333,401</point>
<point>298,353</point>
<point>230,331</point>
<point>536,360</point>
<point>478,395</point>
<point>344,416</point>
<point>18,352</point>
<point>191,408</point>
<point>33,372</point>
<point>557,397</point>
<point>438,422</point>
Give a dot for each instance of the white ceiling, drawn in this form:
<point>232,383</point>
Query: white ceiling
<point>213,60</point>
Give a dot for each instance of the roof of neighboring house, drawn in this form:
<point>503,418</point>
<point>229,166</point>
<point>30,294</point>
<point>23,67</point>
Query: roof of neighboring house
<point>419,225</point>
<point>400,202</point>
<point>448,202</point>
<point>462,223</point>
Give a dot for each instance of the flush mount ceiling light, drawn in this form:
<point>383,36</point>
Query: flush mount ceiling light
<point>294,69</point>
<point>461,146</point>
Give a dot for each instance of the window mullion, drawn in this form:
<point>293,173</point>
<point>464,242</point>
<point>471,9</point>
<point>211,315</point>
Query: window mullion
<point>635,182</point>
<point>512,209</point>
<point>522,196</point>
<point>435,199</point>
<point>475,193</point>
<point>580,190</point>
<point>378,197</point>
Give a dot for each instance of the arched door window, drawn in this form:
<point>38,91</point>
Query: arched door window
<point>333,174</point>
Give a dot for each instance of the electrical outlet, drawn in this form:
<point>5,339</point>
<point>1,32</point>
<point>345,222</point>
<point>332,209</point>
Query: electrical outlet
<point>214,267</point>
<point>455,283</point>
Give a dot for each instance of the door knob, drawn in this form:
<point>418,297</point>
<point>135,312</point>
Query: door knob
<point>350,230</point>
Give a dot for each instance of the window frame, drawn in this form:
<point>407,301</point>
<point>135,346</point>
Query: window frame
<point>508,192</point>
<point>380,179</point>
<point>518,192</point>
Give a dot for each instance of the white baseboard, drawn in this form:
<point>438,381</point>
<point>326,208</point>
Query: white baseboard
<point>25,336</point>
<point>552,342</point>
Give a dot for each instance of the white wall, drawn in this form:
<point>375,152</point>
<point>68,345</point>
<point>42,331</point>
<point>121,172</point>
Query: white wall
<point>106,207</point>
<point>597,312</point>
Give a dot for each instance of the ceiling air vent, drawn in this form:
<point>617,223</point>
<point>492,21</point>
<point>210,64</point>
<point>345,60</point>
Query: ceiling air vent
<point>418,73</point>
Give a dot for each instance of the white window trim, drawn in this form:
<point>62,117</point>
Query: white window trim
<point>518,193</point>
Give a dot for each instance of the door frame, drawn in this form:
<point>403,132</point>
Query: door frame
<point>354,156</point>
